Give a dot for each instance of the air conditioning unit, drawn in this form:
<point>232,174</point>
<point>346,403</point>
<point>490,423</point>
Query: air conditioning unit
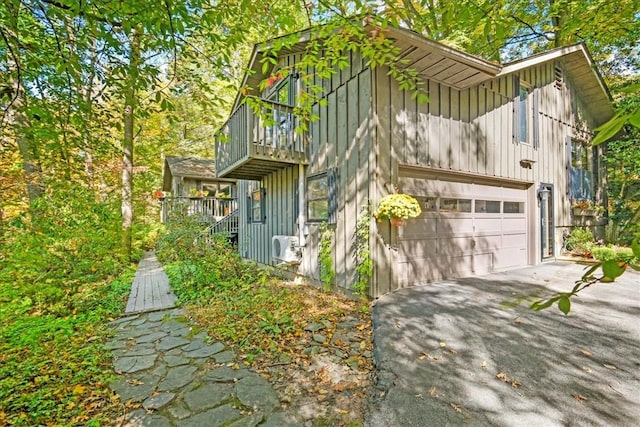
<point>285,248</point>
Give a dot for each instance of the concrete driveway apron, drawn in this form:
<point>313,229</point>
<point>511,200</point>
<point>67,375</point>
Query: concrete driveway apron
<point>452,353</point>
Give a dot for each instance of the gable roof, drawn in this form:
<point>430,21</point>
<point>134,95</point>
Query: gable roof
<point>460,70</point>
<point>582,73</point>
<point>187,167</point>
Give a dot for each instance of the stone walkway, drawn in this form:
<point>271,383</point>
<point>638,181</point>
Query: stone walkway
<point>180,378</point>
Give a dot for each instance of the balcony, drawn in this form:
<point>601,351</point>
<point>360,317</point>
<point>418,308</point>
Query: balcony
<point>251,146</point>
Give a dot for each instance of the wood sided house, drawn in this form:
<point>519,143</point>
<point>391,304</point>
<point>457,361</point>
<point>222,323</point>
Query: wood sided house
<point>497,158</point>
<point>191,188</point>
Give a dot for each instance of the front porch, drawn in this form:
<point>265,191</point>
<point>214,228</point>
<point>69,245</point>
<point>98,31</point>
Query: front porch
<point>201,209</point>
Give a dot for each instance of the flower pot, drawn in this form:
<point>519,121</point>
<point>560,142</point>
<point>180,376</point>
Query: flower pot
<point>396,222</point>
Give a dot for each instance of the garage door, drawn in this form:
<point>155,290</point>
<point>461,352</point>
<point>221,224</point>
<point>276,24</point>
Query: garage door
<point>465,229</point>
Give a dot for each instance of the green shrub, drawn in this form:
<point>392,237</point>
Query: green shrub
<point>580,241</point>
<point>608,253</point>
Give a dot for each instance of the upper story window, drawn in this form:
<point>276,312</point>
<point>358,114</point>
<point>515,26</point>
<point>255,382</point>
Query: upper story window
<point>582,171</point>
<point>282,92</point>
<point>523,111</point>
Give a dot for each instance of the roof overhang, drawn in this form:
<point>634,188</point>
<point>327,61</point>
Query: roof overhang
<point>581,72</point>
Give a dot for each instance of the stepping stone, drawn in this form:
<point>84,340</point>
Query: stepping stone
<point>256,392</point>
<point>172,361</point>
<point>225,374</point>
<point>179,412</point>
<point>157,315</point>
<point>314,327</point>
<point>138,350</point>
<point>139,418</point>
<point>177,377</point>
<point>196,344</point>
<point>157,401</point>
<point>182,332</point>
<point>134,333</point>
<point>138,322</point>
<point>212,418</point>
<point>279,420</point>
<point>205,351</point>
<point>171,325</point>
<point>123,320</point>
<point>134,363</point>
<point>249,421</point>
<point>138,391</point>
<point>167,343</point>
<point>224,357</point>
<point>207,396</point>
<point>151,337</point>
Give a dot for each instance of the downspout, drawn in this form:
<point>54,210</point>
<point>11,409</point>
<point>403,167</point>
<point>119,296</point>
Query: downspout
<point>302,220</point>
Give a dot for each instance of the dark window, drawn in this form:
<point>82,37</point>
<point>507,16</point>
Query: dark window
<point>256,206</point>
<point>455,205</point>
<point>487,206</point>
<point>522,112</point>
<point>581,171</point>
<point>322,197</point>
<point>513,207</point>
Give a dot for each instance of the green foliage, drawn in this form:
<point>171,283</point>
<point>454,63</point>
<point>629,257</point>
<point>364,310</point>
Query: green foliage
<point>608,253</point>
<point>325,256</point>
<point>246,308</point>
<point>580,240</point>
<point>53,369</point>
<point>362,252</point>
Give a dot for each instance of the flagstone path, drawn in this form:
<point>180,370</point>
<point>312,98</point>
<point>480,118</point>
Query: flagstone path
<point>180,377</point>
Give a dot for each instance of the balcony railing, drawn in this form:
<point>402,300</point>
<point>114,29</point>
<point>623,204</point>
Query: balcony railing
<point>202,209</point>
<point>250,146</point>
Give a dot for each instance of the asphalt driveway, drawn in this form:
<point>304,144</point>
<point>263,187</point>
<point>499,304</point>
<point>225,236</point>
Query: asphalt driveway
<point>450,353</point>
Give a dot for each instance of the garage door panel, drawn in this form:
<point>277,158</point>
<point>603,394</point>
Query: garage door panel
<point>440,267</point>
<point>517,225</point>
<point>488,242</point>
<point>454,225</point>
<point>457,236</point>
<point>510,257</point>
<point>418,229</point>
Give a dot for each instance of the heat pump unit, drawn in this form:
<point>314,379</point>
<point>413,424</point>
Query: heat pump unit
<point>284,248</point>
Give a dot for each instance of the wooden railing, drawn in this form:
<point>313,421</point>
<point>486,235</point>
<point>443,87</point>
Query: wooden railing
<point>202,209</point>
<point>269,135</point>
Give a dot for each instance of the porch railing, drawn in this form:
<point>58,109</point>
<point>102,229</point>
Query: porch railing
<point>267,135</point>
<point>202,209</point>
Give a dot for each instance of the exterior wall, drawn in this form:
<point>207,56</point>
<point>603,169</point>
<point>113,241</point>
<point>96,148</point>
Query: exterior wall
<point>340,138</point>
<point>472,132</point>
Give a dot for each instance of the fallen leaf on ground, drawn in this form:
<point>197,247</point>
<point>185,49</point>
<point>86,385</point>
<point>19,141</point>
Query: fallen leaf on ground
<point>458,408</point>
<point>579,397</point>
<point>442,344</point>
<point>432,391</point>
<point>609,366</point>
<point>586,352</point>
<point>483,364</point>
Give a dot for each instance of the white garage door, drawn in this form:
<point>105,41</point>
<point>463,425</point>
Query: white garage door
<point>465,229</point>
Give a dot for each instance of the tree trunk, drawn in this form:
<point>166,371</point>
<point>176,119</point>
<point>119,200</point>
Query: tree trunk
<point>16,116</point>
<point>127,159</point>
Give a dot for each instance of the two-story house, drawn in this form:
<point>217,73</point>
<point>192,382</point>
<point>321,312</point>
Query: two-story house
<point>496,157</point>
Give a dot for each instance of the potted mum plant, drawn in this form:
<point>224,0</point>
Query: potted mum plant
<point>396,208</point>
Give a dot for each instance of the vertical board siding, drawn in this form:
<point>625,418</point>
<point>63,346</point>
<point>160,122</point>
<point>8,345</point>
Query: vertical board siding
<point>339,138</point>
<point>472,130</point>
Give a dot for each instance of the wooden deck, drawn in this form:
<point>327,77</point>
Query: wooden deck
<point>150,290</point>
